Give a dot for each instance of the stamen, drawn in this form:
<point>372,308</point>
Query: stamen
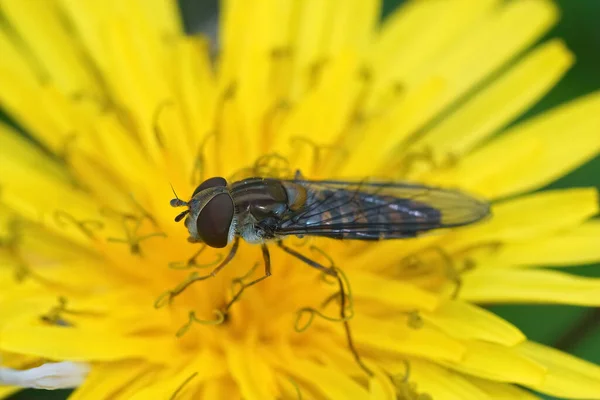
<point>414,262</point>
<point>273,118</point>
<point>415,321</point>
<point>296,387</point>
<point>183,384</point>
<point>88,227</point>
<point>193,319</point>
<point>197,175</point>
<point>168,296</point>
<point>145,213</point>
<point>158,134</point>
<point>192,263</point>
<point>315,72</point>
<point>131,237</point>
<point>236,294</point>
<point>53,317</point>
<point>273,165</point>
<point>408,161</point>
<point>331,266</point>
<point>312,312</point>
<point>317,151</point>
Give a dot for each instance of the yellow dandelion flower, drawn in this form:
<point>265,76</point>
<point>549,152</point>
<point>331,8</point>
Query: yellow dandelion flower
<point>123,104</point>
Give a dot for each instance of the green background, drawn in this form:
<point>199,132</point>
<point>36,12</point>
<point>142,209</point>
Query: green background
<point>574,329</point>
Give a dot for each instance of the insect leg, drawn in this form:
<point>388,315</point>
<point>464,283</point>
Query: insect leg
<point>244,286</point>
<point>314,264</point>
<point>343,301</point>
<point>168,296</point>
<point>236,243</point>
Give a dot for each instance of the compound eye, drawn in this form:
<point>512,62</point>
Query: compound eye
<point>211,182</point>
<point>214,220</point>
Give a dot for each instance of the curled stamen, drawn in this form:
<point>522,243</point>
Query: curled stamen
<point>145,213</point>
<point>131,237</point>
<point>191,263</point>
<point>312,312</point>
<point>335,296</point>
<point>197,175</point>
<point>168,296</point>
<point>316,70</point>
<point>236,294</point>
<point>193,319</point>
<point>158,134</point>
<point>345,315</point>
<point>279,109</point>
<point>182,385</point>
<point>53,317</point>
<point>296,387</point>
<point>331,266</point>
<point>273,165</point>
<point>415,321</point>
<point>88,227</point>
<point>317,150</point>
<point>410,160</point>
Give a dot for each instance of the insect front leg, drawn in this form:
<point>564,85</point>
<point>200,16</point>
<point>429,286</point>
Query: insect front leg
<point>244,286</point>
<point>332,271</point>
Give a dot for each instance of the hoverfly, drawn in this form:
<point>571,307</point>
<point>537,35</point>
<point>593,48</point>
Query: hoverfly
<point>262,210</point>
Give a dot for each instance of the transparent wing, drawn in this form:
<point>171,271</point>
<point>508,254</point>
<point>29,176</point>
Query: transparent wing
<point>377,210</point>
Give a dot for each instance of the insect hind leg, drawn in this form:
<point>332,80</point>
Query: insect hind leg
<point>344,300</point>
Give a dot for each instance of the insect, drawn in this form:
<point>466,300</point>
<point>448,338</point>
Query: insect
<point>266,210</point>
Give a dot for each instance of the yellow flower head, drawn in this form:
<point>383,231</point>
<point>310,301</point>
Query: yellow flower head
<point>100,290</point>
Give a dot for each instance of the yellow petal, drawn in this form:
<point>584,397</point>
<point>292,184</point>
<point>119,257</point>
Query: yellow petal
<point>17,149</point>
<point>498,103</point>
<point>329,382</point>
<point>383,134</point>
<point>396,338</point>
<point>15,61</point>
<point>541,150</point>
<point>499,363</point>
<point>532,216</point>
<point>219,389</point>
<point>467,321</point>
<point>495,40</point>
<point>415,34</point>
<point>252,374</point>
<point>204,366</point>
<point>380,385</point>
<point>44,32</point>
<point>79,345</point>
<point>502,391</point>
<point>323,30</point>
<point>573,247</point>
<point>443,383</point>
<point>385,290</point>
<point>567,375</point>
<point>531,286</point>
<point>107,380</point>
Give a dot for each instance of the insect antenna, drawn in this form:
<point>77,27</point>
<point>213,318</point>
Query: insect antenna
<point>181,215</point>
<point>177,202</point>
